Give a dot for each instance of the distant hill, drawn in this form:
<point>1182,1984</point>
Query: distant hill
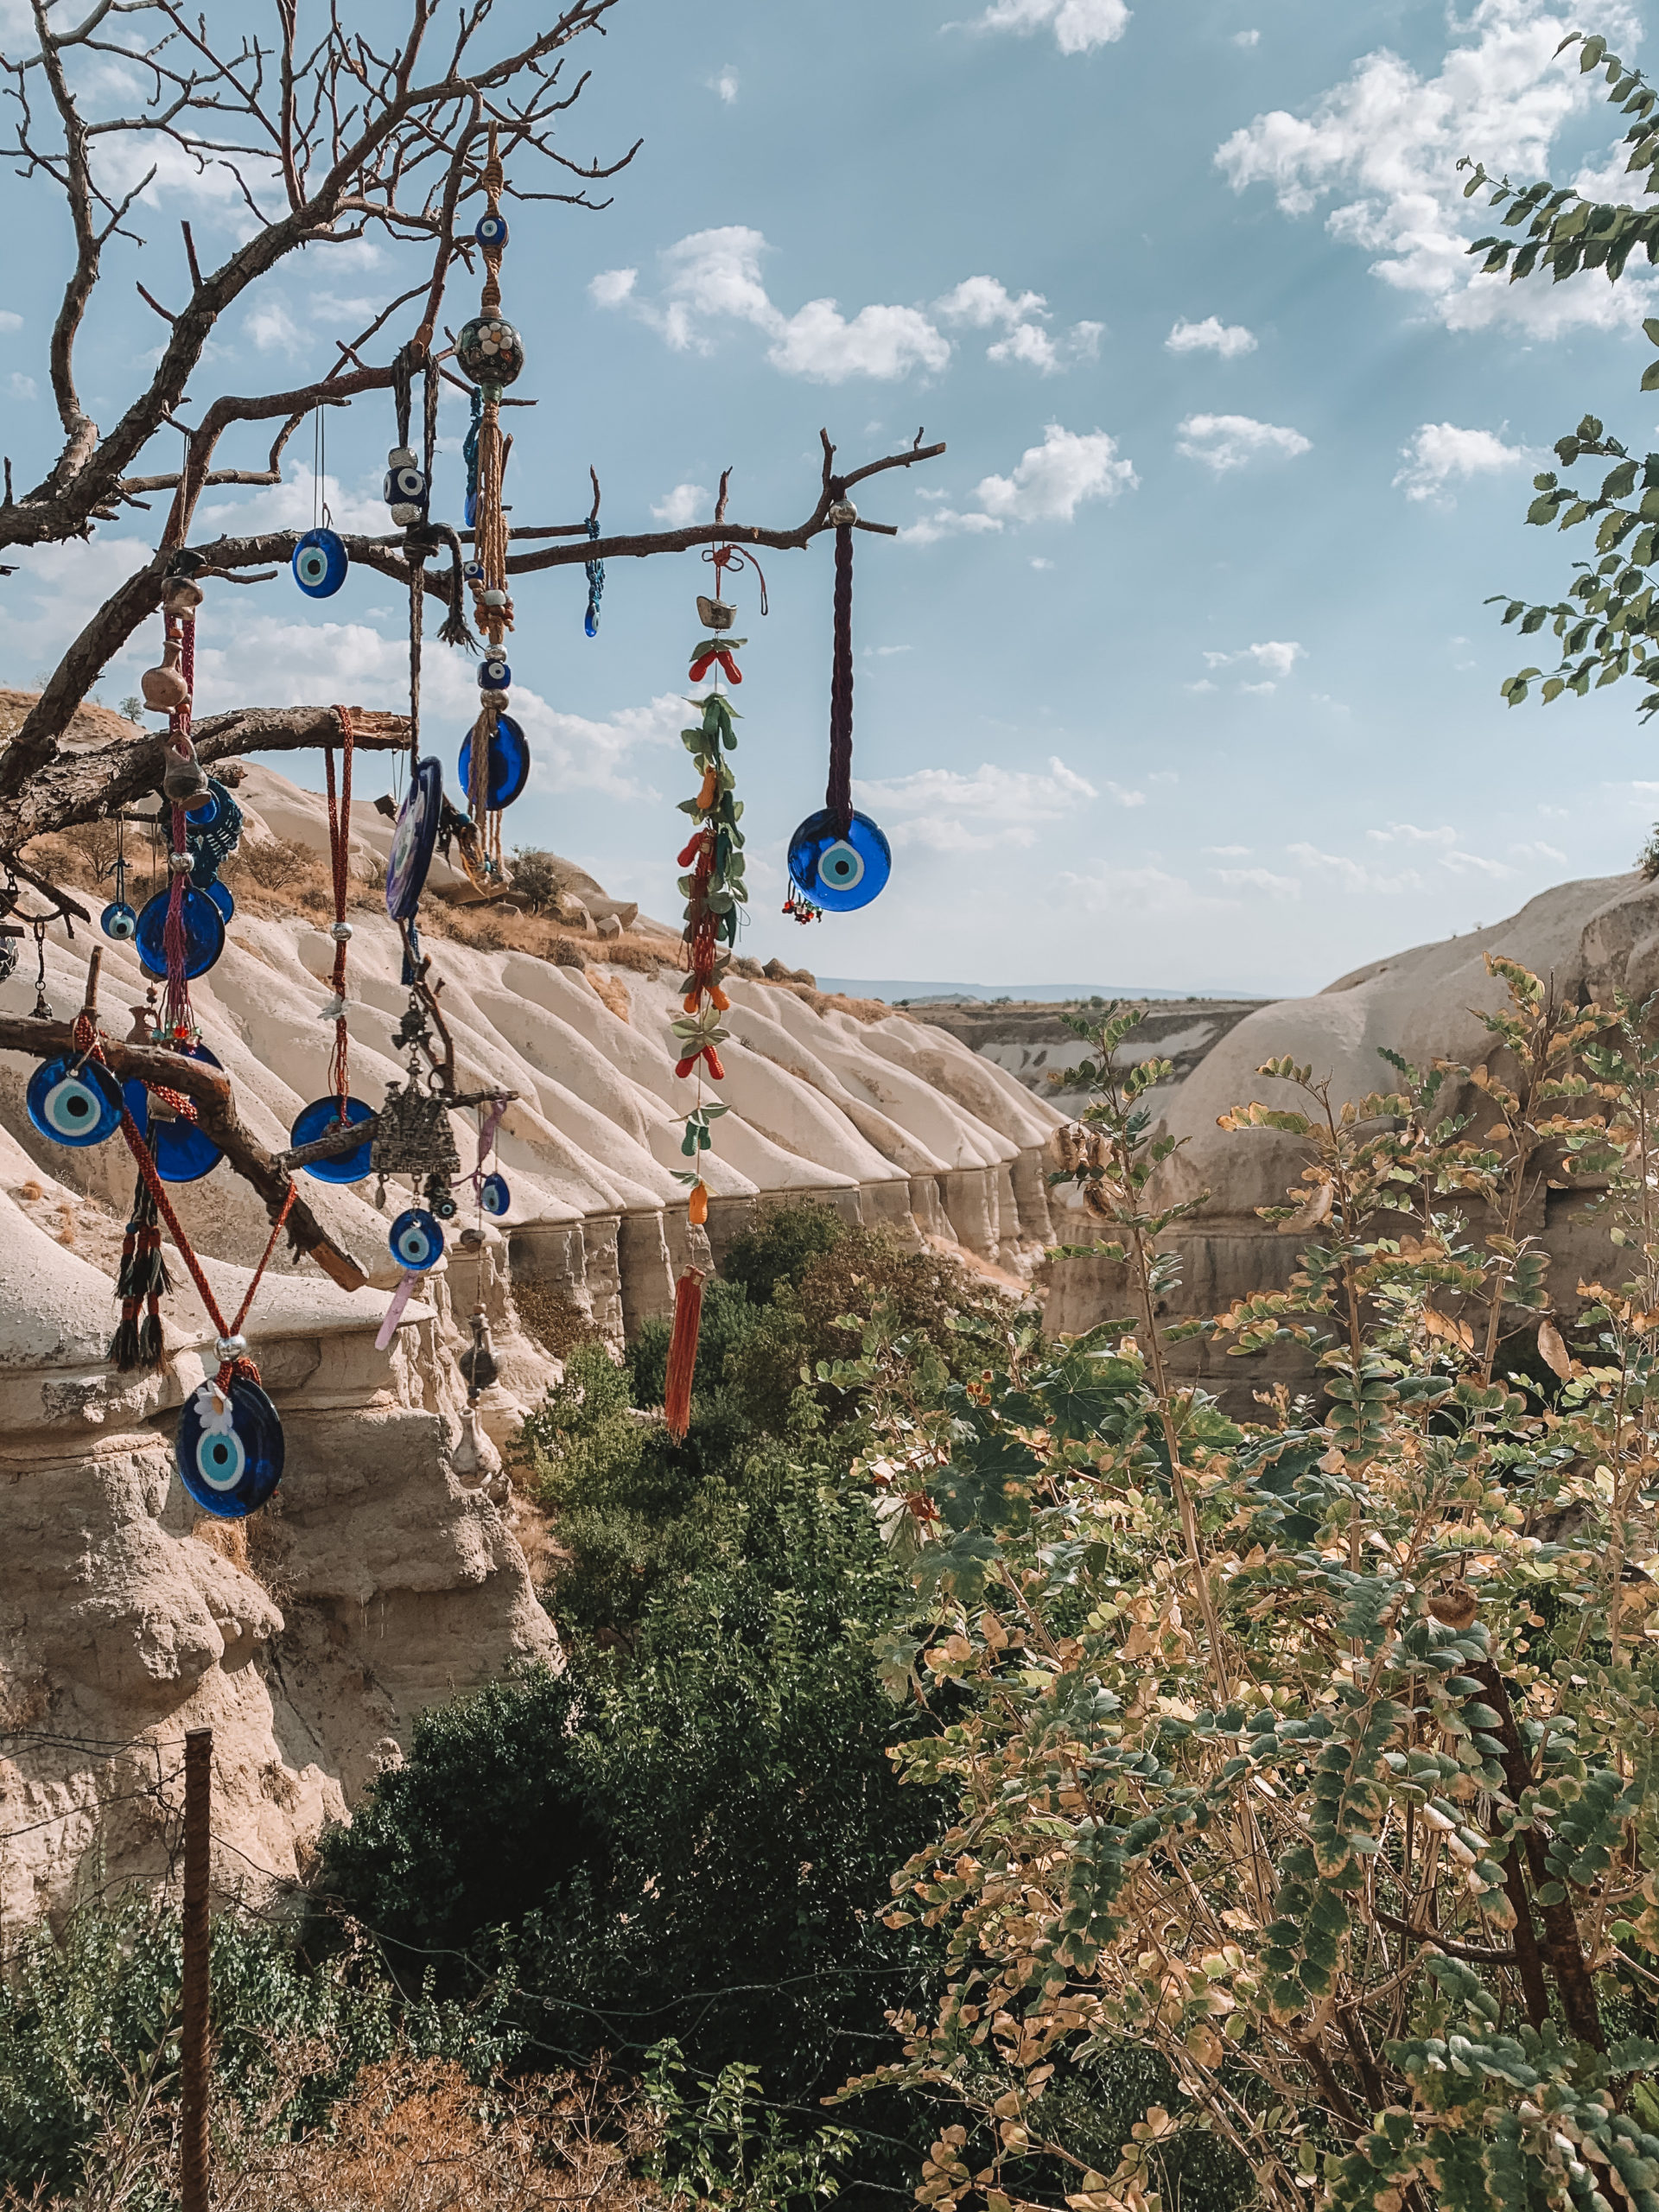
<point>923,994</point>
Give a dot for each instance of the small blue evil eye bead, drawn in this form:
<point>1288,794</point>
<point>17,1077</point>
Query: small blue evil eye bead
<point>494,1196</point>
<point>493,674</point>
<point>491,230</point>
<point>118,921</point>
<point>73,1104</point>
<point>473,572</point>
<point>319,563</point>
<point>405,486</point>
<point>416,1242</point>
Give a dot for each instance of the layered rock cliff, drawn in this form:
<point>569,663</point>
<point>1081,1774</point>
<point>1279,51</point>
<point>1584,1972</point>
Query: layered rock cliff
<point>386,1575</point>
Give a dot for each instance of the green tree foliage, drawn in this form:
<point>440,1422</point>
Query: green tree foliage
<point>1606,622</point>
<point>1315,1756</point>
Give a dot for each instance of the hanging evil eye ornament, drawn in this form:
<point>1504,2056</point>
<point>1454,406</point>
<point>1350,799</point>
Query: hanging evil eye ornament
<point>839,873</point>
<point>594,571</point>
<point>491,230</point>
<point>75,1103</point>
<point>212,834</point>
<point>320,1119</point>
<point>494,1196</point>
<point>118,922</point>
<point>229,1450</point>
<point>181,1149</point>
<point>220,894</point>
<point>406,490</point>
<point>319,563</point>
<point>203,933</point>
<point>417,1241</point>
<point>494,673</point>
<point>414,839</point>
<point>489,350</point>
<point>509,762</point>
<point>839,861</point>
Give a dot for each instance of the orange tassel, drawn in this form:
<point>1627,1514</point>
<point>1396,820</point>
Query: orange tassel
<point>710,790</point>
<point>682,1353</point>
<point>697,1211</point>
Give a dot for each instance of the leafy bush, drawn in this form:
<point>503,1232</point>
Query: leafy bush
<point>1315,1757</point>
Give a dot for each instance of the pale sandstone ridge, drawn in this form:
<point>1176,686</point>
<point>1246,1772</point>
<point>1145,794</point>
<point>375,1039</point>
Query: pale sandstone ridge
<point>388,1576</point>
<point>1591,937</point>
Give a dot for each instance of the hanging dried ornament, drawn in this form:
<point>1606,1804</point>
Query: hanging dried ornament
<point>838,859</point>
<point>495,759</point>
<point>339,1112</point>
<point>714,893</point>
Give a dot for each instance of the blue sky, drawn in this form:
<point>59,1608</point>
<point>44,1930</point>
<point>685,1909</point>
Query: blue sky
<point>1178,673</point>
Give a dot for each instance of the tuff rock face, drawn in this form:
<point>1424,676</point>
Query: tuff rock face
<point>1591,938</point>
<point>386,1575</point>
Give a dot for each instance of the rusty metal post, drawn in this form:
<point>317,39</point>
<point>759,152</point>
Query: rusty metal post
<point>197,1810</point>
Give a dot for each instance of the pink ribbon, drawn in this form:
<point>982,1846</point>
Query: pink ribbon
<point>401,1296</point>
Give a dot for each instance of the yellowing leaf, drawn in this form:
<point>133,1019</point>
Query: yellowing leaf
<point>1553,1351</point>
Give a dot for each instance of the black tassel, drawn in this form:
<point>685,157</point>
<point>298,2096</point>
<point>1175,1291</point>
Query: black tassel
<point>142,1279</point>
<point>453,629</point>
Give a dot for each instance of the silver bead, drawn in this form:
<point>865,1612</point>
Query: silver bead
<point>180,863</point>
<point>843,514</point>
<point>341,932</point>
<point>401,457</point>
<point>231,1348</point>
<point>404,514</point>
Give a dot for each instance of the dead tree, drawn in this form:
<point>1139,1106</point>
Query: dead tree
<point>327,137</point>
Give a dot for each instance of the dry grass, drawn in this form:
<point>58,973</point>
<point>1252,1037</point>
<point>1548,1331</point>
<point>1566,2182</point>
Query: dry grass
<point>556,1321</point>
<point>414,2135</point>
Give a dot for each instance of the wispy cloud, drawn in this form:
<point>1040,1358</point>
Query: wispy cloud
<point>714,277</point>
<point>1441,452</point>
<point>724,83</point>
<point>949,812</point>
<point>682,506</point>
<point>1224,441</point>
<point>1212,335</point>
<point>1048,483</point>
<point>1080,26</point>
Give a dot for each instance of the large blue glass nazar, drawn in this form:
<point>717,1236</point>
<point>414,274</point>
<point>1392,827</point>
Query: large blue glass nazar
<point>839,873</point>
<point>229,1451</point>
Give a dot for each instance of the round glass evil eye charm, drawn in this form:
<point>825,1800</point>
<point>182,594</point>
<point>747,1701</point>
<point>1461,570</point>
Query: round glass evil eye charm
<point>74,1105</point>
<point>319,563</point>
<point>494,1196</point>
<point>229,1449</point>
<point>118,921</point>
<point>840,873</point>
<point>417,1241</point>
<point>489,350</point>
<point>494,674</point>
<point>203,933</point>
<point>181,1149</point>
<point>413,841</point>
<point>220,894</point>
<point>491,230</point>
<point>318,1120</point>
<point>509,762</point>
<point>473,572</point>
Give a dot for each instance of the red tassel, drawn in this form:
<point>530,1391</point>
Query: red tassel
<point>682,1353</point>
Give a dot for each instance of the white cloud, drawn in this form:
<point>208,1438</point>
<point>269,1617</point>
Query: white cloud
<point>22,387</point>
<point>1212,335</point>
<point>612,286</point>
<point>1224,441</point>
<point>725,84</point>
<point>1228,852</point>
<point>1473,864</point>
<point>9,321</point>
<point>1353,875</point>
<point>1408,833</point>
<point>1383,144</point>
<point>1123,798</point>
<point>1440,451</point>
<point>951,812</point>
<point>715,277</point>
<point>1539,851</point>
<point>1050,481</point>
<point>1261,690</point>
<point>1246,38</point>
<point>1038,561</point>
<point>1202,685</point>
<point>1080,26</point>
<point>1259,879</point>
<point>273,329</point>
<point>1149,889</point>
<point>682,506</point>
<point>1278,655</point>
